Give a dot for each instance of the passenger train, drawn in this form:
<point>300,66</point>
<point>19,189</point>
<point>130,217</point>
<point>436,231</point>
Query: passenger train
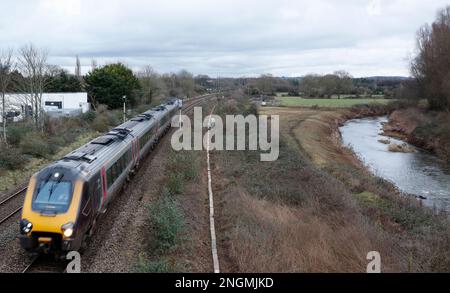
<point>64,200</point>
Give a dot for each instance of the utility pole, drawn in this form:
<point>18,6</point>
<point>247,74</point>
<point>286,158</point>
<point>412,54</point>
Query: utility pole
<point>124,109</point>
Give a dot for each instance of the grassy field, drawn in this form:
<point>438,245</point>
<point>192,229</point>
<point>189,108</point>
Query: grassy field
<point>331,103</point>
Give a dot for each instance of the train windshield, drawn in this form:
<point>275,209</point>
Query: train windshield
<point>52,196</point>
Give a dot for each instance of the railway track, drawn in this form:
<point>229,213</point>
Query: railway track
<point>9,198</point>
<point>189,106</point>
<point>45,264</point>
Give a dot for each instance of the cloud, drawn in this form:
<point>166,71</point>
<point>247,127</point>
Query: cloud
<point>227,37</point>
<point>374,7</point>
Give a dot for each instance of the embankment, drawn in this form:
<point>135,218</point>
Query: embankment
<point>428,130</point>
<point>408,235</point>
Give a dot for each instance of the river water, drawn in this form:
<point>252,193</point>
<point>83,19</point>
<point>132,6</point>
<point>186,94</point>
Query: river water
<point>417,173</point>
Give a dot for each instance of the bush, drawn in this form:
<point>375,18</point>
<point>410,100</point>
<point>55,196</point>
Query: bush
<point>186,164</point>
<point>251,110</point>
<point>157,266</point>
<point>176,183</point>
<point>114,118</point>
<point>11,158</point>
<point>69,136</point>
<point>17,131</point>
<point>100,123</point>
<point>35,145</point>
<point>167,219</point>
<point>88,116</point>
<point>54,143</point>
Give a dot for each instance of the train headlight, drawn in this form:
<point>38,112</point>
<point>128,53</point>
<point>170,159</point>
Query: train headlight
<point>25,226</point>
<point>67,230</point>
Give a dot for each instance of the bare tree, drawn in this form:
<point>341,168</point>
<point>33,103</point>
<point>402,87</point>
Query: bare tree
<point>186,82</point>
<point>150,82</point>
<point>32,63</point>
<point>309,85</point>
<point>431,66</point>
<point>344,83</point>
<point>6,68</point>
<point>265,84</point>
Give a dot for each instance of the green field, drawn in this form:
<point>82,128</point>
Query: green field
<point>332,103</point>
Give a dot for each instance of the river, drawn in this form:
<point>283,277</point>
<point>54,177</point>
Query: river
<point>420,173</point>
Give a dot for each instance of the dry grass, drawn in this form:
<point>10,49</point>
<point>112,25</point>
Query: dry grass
<point>271,237</point>
<point>317,209</point>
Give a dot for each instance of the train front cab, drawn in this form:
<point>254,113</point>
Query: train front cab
<point>58,210</point>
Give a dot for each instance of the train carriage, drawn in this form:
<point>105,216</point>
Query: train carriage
<point>64,200</point>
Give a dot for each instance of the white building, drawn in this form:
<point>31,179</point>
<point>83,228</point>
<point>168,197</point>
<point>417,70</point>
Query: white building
<point>54,104</point>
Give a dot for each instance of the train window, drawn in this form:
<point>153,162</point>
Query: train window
<point>114,172</point>
<point>52,196</point>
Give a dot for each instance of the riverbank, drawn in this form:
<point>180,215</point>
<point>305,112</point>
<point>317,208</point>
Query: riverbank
<point>411,236</point>
<point>425,129</point>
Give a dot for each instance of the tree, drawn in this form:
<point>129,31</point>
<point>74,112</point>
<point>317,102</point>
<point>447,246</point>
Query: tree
<point>6,68</point>
<point>34,68</point>
<point>108,84</point>
<point>309,85</point>
<point>150,82</point>
<point>265,84</point>
<point>337,83</point>
<point>344,83</point>
<point>78,68</point>
<point>186,83</point>
<point>431,66</point>
<point>60,81</point>
<point>328,85</point>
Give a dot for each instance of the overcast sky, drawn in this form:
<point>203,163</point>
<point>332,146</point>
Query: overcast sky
<point>226,37</point>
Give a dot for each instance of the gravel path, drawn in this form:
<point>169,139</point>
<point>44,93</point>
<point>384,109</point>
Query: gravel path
<point>12,258</point>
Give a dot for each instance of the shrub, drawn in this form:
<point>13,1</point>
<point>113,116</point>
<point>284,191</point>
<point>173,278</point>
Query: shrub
<point>69,136</point>
<point>114,118</point>
<point>11,158</point>
<point>55,142</point>
<point>88,116</point>
<point>251,110</point>
<point>176,183</point>
<point>35,145</point>
<point>52,126</point>
<point>167,219</point>
<point>157,266</point>
<point>186,164</point>
<point>102,108</point>
<point>100,123</point>
<point>17,131</point>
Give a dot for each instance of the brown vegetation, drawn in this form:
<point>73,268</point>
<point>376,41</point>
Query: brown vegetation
<point>400,148</point>
<point>317,209</point>
<point>425,129</point>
